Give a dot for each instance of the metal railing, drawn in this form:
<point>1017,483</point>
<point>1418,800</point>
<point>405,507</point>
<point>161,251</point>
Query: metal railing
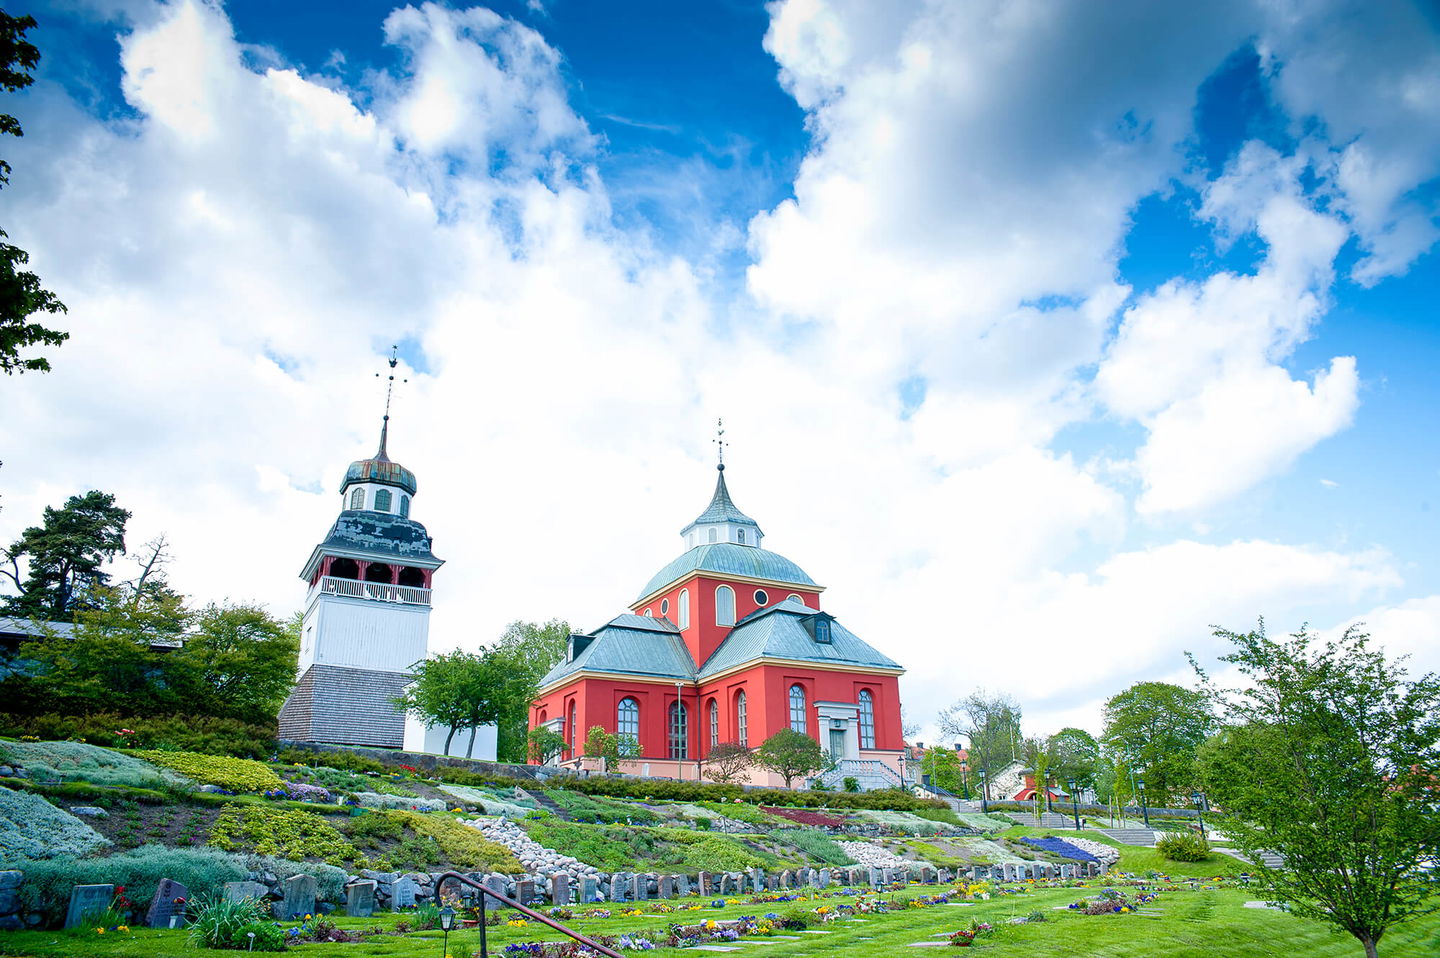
<point>379,591</point>
<point>862,769</point>
<point>522,909</point>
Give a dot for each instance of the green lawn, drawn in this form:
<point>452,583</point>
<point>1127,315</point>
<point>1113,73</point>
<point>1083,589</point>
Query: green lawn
<point>1187,923</point>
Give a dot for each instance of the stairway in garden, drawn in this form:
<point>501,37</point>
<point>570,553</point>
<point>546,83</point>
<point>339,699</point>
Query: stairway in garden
<point>870,775</point>
<point>1267,858</point>
<point>1047,820</point>
<point>1130,836</point>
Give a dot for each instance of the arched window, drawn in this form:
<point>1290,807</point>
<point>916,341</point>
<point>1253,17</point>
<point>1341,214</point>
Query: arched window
<point>627,721</point>
<point>382,500</point>
<point>742,734</point>
<point>714,723</point>
<point>379,572</point>
<point>796,597</point>
<point>714,535</point>
<point>679,731</point>
<point>650,613</point>
<point>344,569</point>
<point>543,716</point>
<point>357,498</point>
<point>405,507</point>
<point>570,729</point>
<point>413,577</point>
<point>683,613</point>
<point>741,534</point>
<point>724,606</point>
<point>797,709</point>
<point>867,719</point>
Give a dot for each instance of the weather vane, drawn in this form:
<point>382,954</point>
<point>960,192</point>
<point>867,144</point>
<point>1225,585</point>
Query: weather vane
<point>393,361</point>
<point>720,442</point>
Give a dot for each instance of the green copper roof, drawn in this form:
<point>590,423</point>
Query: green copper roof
<point>721,508</point>
<point>634,645</point>
<point>728,558</point>
<point>779,632</point>
<point>379,468</point>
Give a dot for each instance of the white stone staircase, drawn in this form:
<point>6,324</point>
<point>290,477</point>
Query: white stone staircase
<point>869,774</point>
<point>1130,836</point>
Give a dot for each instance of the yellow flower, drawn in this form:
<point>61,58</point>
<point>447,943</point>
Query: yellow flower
<point>99,931</point>
<point>123,928</point>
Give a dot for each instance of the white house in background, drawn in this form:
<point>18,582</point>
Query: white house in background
<point>367,620</point>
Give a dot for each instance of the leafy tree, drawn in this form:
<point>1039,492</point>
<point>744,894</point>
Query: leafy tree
<point>444,691</point>
<point>1042,755</point>
<point>991,725</point>
<point>1158,727</point>
<point>610,748</point>
<point>238,660</point>
<point>1077,757</point>
<point>1330,756</point>
<point>791,754</point>
<point>21,295</point>
<point>522,656</point>
<point>727,762</point>
<point>546,744</point>
<point>63,556</point>
<point>943,767</point>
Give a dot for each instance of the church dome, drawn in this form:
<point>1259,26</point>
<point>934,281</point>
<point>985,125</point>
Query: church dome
<point>380,469</point>
<point>729,558</point>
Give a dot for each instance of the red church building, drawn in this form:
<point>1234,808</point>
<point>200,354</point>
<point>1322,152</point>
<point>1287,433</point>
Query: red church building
<point>727,643</point>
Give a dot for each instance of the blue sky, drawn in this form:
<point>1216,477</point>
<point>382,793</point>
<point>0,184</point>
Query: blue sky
<point>1101,325</point>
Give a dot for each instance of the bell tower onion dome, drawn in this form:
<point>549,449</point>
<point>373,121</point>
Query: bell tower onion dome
<point>377,484</point>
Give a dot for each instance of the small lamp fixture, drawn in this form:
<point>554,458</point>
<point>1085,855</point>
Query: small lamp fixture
<point>447,921</point>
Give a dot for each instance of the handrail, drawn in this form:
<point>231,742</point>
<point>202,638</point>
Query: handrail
<point>522,909</point>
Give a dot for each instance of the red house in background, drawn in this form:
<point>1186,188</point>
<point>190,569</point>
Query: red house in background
<point>727,643</point>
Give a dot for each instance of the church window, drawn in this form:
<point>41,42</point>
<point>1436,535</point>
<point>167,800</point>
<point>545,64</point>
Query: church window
<point>796,597</point>
<point>382,500</point>
<point>714,535</point>
<point>761,597</point>
<point>724,606</point>
<point>679,731</point>
<point>867,719</point>
<point>797,709</point>
<point>664,606</point>
<point>684,611</point>
<point>627,721</point>
<point>650,613</point>
<point>405,507</point>
<point>714,723</point>
<point>822,630</point>
<point>742,734</point>
<point>741,534</point>
<point>570,729</point>
<point>357,498</point>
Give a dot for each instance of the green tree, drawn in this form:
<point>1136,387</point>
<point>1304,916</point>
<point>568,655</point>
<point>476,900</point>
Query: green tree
<point>943,767</point>
<point>1158,727</point>
<point>1077,757</point>
<point>991,726</point>
<point>63,556</point>
<point>1330,756</point>
<point>727,762</point>
<point>1042,756</point>
<point>21,295</point>
<point>237,660</point>
<point>791,754</point>
<point>522,656</point>
<point>609,748</point>
<point>444,691</point>
<point>546,744</point>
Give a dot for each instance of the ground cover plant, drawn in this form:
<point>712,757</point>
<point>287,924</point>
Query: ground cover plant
<point>80,762</point>
<point>816,846</point>
<point>625,848</point>
<point>211,734</point>
<point>231,774</point>
<point>285,833</point>
<point>588,808</point>
<point>489,802</point>
<point>31,828</point>
<point>343,782</point>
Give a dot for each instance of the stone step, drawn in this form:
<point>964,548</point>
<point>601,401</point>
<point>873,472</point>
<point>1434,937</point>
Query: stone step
<point>1129,836</point>
<point>1267,858</point>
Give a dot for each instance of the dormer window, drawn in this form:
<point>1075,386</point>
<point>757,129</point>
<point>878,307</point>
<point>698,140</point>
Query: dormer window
<point>357,498</point>
<point>382,500</point>
<point>741,534</point>
<point>822,631</point>
<point>714,536</point>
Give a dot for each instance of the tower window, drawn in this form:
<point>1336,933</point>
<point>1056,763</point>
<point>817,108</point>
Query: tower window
<point>761,597</point>
<point>797,709</point>
<point>714,535</point>
<point>357,498</point>
<point>867,719</point>
<point>683,613</point>
<point>627,722</point>
<point>405,507</point>
<point>679,731</point>
<point>741,534</point>
<point>724,606</point>
<point>382,500</point>
<point>742,734</point>
<point>714,723</point>
<point>649,613</point>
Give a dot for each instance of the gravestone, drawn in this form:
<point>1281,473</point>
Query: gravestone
<point>495,884</point>
<point>682,886</point>
<point>86,900</point>
<point>241,890</point>
<point>1008,869</point>
<point>877,876</point>
<point>299,899</point>
<point>666,886</point>
<point>164,906</point>
<point>927,875</point>
<point>1022,871</point>
<point>858,876</point>
<point>757,881</point>
<point>821,878</point>
<point>702,884</point>
<point>1067,871</point>
<point>639,888</point>
<point>405,893</point>
<point>524,891</point>
<point>589,889</point>
<point>360,899</point>
<point>559,889</point>
<point>787,880</point>
<point>944,876</point>
<point>620,887</point>
<point>726,884</point>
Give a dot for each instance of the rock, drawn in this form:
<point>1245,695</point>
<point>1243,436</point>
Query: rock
<point>212,789</point>
<point>6,771</point>
<point>89,811</point>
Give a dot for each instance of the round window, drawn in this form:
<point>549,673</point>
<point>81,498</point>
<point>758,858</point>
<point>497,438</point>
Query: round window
<point>664,606</point>
<point>760,597</point>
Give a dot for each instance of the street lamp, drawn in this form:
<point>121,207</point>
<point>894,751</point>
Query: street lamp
<point>1075,803</point>
<point>1144,808</point>
<point>447,921</point>
<point>984,791</point>
<point>1199,797</point>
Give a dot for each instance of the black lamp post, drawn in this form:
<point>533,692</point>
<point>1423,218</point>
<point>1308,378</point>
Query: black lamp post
<point>984,791</point>
<point>1199,797</point>
<point>1075,803</point>
<point>447,921</point>
<point>1144,808</point>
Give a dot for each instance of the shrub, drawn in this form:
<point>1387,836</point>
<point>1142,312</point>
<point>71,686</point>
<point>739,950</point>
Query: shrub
<point>47,884</point>
<point>32,828</point>
<point>461,844</point>
<point>852,784</point>
<point>816,845</point>
<point>336,759</point>
<point>77,761</point>
<point>376,800</point>
<point>232,774</point>
<point>192,733</point>
<point>1183,847</point>
<point>218,923</point>
<point>286,833</point>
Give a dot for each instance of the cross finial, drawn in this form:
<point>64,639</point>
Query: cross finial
<point>720,443</point>
<point>393,361</point>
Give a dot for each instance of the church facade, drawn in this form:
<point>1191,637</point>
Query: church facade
<point>727,643</point>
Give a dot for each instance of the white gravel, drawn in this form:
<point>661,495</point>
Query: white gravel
<point>864,853</point>
<point>538,860</point>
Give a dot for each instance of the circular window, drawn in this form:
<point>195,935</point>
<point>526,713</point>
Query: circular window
<point>664,606</point>
<point>760,597</point>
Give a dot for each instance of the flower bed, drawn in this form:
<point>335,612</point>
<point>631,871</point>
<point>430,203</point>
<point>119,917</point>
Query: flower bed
<point>1061,847</point>
<point>299,792</point>
<point>233,774</point>
<point>814,819</point>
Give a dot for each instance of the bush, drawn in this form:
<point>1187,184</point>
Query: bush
<point>1183,847</point>
<point>77,761</point>
<point>218,923</point>
<point>584,808</point>
<point>191,733</point>
<point>336,759</point>
<point>47,884</point>
<point>232,774</point>
<point>462,845</point>
<point>376,800</point>
<point>285,833</point>
<point>817,846</point>
<point>31,828</point>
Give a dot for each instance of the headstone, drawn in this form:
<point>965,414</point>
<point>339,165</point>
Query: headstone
<point>559,889</point>
<point>787,880</point>
<point>170,900</point>
<point>682,886</point>
<point>821,878</point>
<point>1067,871</point>
<point>524,891</point>
<point>1022,871</point>
<point>944,876</point>
<point>405,893</point>
<point>877,877</point>
<point>665,888</point>
<point>299,899</point>
<point>757,881</point>
<point>1009,870</point>
<point>86,900</point>
<point>726,884</point>
<point>702,884</point>
<point>619,887</point>
<point>979,872</point>
<point>639,888</point>
<point>360,899</point>
<point>589,889</point>
<point>495,884</point>
<point>241,890</point>
<point>927,875</point>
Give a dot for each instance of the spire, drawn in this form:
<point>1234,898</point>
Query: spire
<point>720,445</point>
<point>394,360</point>
<point>721,521</point>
